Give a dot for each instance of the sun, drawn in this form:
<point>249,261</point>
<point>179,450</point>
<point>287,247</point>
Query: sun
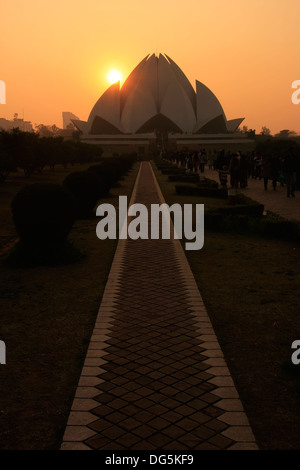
<point>114,76</point>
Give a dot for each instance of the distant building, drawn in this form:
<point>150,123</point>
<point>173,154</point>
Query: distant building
<point>67,119</point>
<point>8,125</point>
<point>158,107</point>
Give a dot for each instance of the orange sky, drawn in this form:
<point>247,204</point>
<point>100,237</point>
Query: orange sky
<point>55,55</point>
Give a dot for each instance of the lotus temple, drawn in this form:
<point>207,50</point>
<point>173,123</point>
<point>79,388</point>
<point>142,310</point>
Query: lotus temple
<point>157,107</point>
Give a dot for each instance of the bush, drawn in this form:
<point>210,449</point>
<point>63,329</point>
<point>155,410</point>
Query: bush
<point>238,223</point>
<point>112,169</point>
<point>275,226</point>
<point>164,166</point>
<point>43,214</point>
<point>253,209</point>
<point>7,165</point>
<point>207,183</point>
<point>173,170</point>
<point>87,189</point>
<point>184,178</point>
<point>102,174</point>
<point>204,191</point>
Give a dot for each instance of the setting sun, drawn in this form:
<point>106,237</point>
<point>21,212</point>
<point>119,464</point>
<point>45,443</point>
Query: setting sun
<point>114,76</point>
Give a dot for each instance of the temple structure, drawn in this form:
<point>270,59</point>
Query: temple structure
<point>158,106</point>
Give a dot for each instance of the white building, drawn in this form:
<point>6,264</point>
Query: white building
<point>157,101</point>
<point>67,118</point>
<point>16,122</point>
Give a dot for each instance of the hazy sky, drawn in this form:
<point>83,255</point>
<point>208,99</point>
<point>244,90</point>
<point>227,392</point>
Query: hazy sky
<point>55,55</point>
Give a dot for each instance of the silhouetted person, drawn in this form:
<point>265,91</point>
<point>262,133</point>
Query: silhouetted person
<point>257,166</point>
<point>201,157</point>
<point>289,170</point>
<point>275,171</point>
<point>266,170</point>
<point>221,160</point>
<point>243,171</point>
<point>223,174</point>
<point>234,170</point>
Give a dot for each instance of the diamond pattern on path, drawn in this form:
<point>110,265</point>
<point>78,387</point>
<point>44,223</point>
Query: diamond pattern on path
<point>155,388</point>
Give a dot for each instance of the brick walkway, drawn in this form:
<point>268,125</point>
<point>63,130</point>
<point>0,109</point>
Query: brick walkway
<point>154,376</point>
<point>274,201</point>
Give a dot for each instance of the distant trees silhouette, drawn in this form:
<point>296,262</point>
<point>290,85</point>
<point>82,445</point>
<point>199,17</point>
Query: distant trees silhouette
<point>33,151</point>
<point>265,131</point>
<point>285,134</point>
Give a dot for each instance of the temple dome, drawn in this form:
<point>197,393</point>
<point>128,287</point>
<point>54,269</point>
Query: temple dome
<point>157,96</point>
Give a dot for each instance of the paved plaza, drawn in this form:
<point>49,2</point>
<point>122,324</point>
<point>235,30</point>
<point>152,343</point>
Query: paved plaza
<point>154,376</point>
<point>274,201</point>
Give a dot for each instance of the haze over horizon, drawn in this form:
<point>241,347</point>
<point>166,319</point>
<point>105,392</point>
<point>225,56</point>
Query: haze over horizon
<point>56,57</point>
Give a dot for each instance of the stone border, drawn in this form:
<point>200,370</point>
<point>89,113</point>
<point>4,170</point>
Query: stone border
<point>76,430</point>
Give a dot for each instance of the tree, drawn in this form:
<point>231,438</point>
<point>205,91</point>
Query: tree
<point>43,131</point>
<point>285,134</point>
<point>265,131</point>
<point>55,130</point>
<point>6,165</point>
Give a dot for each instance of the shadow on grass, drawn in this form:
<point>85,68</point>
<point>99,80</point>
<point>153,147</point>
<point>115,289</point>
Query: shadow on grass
<point>51,254</point>
<point>290,369</point>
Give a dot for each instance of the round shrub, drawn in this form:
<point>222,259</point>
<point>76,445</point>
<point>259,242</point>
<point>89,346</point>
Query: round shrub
<point>43,213</point>
<point>87,188</point>
<point>102,174</point>
<point>111,169</point>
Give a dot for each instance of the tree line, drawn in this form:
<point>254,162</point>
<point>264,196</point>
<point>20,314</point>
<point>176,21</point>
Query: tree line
<point>31,152</point>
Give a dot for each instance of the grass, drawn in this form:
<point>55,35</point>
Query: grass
<point>250,287</point>
<point>47,316</point>
<point>51,254</point>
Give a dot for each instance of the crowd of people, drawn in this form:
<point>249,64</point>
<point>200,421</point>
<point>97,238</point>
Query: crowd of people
<point>235,169</point>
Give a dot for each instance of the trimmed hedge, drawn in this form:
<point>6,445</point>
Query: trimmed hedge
<point>184,178</point>
<point>112,169</point>
<point>226,222</point>
<point>87,189</point>
<point>89,186</point>
<point>173,170</point>
<point>207,183</point>
<point>184,190</point>
<point>163,165</point>
<point>99,170</point>
<point>275,226</point>
<point>253,209</point>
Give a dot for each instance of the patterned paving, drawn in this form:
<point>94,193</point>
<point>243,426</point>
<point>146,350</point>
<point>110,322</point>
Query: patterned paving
<point>154,376</point>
